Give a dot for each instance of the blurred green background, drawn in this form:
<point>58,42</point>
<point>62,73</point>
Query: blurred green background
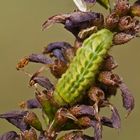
<point>21,34</point>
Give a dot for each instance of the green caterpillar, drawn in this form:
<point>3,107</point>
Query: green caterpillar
<point>83,68</point>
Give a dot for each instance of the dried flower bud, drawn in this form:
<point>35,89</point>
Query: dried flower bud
<point>58,68</point>
<point>22,63</point>
<point>109,63</point>
<point>29,135</point>
<point>122,38</point>
<point>84,122</point>
<point>126,23</point>
<point>112,21</point>
<point>108,78</point>
<point>108,90</point>
<point>32,119</point>
<point>135,9</point>
<point>122,7</point>
<point>62,116</point>
<point>96,94</point>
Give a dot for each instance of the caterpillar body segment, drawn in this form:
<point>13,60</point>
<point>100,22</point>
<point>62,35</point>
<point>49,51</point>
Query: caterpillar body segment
<point>83,68</point>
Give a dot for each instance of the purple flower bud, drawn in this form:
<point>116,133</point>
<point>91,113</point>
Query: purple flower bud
<point>42,81</point>
<point>30,104</point>
<point>40,58</point>
<point>16,118</point>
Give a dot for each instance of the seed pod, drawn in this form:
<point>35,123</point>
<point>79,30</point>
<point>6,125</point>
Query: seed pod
<point>83,69</point>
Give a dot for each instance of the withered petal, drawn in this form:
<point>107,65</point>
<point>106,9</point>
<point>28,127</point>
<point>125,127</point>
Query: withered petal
<point>61,18</point>
<point>85,137</point>
<point>116,120</point>
<point>59,55</point>
<point>56,45</point>
<point>98,131</point>
<point>106,121</point>
<point>97,125</point>
<point>43,81</point>
<point>11,135</point>
<point>40,58</point>
<point>81,110</point>
<point>127,97</point>
<point>16,118</point>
